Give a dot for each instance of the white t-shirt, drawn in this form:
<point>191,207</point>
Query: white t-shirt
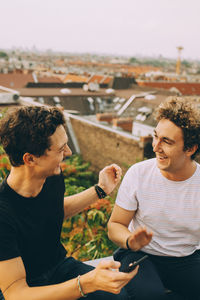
<point>171,209</point>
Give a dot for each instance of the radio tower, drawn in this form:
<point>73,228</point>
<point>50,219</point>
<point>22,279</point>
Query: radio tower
<point>178,63</point>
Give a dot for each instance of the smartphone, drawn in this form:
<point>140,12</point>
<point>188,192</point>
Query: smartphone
<point>132,265</point>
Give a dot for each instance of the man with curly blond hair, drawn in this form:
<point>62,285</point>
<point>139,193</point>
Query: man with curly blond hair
<point>157,210</point>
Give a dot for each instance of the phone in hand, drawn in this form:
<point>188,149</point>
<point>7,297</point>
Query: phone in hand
<point>132,265</point>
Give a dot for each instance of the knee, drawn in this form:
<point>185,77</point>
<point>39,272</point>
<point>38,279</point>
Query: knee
<point>148,293</point>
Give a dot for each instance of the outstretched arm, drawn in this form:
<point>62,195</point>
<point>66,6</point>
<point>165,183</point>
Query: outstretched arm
<point>14,286</point>
<point>109,177</point>
<point>118,230</point>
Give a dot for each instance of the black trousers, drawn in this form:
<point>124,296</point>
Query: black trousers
<point>181,275</point>
<point>68,269</point>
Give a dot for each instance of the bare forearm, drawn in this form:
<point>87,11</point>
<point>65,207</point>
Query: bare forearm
<point>76,203</point>
<point>118,233</point>
<point>63,291</point>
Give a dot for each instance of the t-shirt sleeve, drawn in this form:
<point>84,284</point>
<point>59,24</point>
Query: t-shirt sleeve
<point>8,237</point>
<point>127,193</point>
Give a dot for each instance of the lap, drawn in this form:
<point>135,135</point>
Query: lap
<point>181,275</point>
<point>146,285</point>
<point>70,268</point>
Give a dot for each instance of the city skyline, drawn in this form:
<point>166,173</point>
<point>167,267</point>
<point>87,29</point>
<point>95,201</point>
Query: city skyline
<point>129,27</point>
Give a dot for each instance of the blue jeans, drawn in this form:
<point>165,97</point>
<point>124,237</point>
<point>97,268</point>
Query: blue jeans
<point>181,275</point>
<point>68,269</point>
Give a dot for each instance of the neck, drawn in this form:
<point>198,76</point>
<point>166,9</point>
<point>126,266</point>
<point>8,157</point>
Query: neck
<point>181,174</point>
<point>24,182</point>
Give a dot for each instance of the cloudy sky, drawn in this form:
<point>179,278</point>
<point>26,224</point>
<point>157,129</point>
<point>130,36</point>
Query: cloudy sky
<point>126,27</point>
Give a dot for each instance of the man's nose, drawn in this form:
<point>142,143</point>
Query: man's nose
<point>67,151</point>
<point>156,146</point>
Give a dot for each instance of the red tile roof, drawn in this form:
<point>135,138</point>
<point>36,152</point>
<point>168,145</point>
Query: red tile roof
<point>186,88</point>
<point>15,80</point>
<point>74,78</point>
<point>100,79</point>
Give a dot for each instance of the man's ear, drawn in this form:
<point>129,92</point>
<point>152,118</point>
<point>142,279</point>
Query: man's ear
<point>29,159</point>
<point>192,150</point>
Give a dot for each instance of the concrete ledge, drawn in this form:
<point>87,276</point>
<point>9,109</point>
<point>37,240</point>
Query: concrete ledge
<point>95,262</point>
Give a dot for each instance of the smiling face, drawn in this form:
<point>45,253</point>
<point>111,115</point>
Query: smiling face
<point>168,145</point>
<point>49,163</point>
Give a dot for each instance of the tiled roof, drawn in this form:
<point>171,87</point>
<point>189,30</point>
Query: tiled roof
<point>15,80</point>
<point>74,78</point>
<point>100,79</point>
<point>186,88</point>
<point>48,79</point>
<point>117,67</point>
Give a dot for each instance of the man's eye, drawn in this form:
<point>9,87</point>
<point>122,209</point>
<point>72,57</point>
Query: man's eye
<point>167,142</point>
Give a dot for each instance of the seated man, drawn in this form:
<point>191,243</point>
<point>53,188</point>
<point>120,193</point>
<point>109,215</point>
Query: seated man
<point>157,210</point>
<point>33,262</point>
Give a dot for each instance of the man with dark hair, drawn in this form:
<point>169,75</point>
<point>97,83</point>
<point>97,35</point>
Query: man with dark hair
<point>157,210</point>
<point>33,262</point>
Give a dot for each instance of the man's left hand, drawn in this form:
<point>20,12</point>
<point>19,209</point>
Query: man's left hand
<point>109,177</point>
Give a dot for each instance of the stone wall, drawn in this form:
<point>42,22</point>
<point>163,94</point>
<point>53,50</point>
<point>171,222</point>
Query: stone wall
<point>102,147</point>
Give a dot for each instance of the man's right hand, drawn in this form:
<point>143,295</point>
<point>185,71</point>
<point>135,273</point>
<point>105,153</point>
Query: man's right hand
<point>139,238</point>
<point>106,277</point>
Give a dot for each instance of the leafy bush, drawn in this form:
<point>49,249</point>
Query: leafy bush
<point>85,235</point>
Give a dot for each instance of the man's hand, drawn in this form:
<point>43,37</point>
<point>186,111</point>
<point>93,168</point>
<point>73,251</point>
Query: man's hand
<point>106,277</point>
<point>109,177</point>
<point>139,238</point>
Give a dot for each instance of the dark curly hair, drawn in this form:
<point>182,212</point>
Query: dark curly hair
<point>27,130</point>
<point>184,114</point>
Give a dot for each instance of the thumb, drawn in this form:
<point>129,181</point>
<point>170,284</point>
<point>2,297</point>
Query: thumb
<point>108,264</point>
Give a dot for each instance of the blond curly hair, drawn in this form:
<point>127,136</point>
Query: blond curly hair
<point>184,114</point>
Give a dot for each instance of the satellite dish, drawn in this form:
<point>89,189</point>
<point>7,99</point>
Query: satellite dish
<point>110,91</point>
<point>85,87</point>
<point>65,91</point>
<point>93,87</point>
<point>56,100</point>
<point>91,103</point>
<point>117,106</point>
<point>116,99</point>
<point>150,97</point>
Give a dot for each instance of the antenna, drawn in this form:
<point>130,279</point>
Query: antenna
<point>178,63</point>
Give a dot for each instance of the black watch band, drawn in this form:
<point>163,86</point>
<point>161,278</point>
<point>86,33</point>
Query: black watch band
<point>100,192</point>
<point>127,245</point>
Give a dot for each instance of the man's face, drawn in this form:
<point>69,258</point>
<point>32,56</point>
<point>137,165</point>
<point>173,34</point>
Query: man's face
<point>49,163</point>
<point>168,145</point>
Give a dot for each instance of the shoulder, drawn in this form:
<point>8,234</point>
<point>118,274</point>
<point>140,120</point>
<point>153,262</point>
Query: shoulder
<point>143,166</point>
<point>4,198</point>
<point>198,166</point>
<point>55,184</point>
<point>55,179</point>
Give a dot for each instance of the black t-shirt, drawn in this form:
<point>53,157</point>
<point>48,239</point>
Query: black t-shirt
<point>31,227</point>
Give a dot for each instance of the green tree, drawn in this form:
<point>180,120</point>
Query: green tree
<point>3,54</point>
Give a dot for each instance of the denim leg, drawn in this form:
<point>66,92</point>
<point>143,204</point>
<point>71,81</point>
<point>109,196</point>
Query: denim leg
<point>146,285</point>
<point>71,268</point>
<point>181,274</point>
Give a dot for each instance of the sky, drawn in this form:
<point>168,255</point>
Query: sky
<point>118,27</point>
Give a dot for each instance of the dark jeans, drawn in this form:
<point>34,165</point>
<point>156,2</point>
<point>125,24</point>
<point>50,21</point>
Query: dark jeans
<point>67,269</point>
<point>179,274</point>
